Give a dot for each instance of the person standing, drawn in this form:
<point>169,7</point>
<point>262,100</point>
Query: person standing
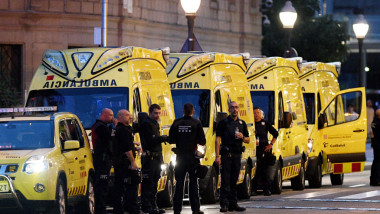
<point>151,159</point>
<point>127,177</point>
<point>370,116</point>
<point>101,142</point>
<point>375,142</point>
<point>264,154</point>
<point>231,132</point>
<point>186,132</point>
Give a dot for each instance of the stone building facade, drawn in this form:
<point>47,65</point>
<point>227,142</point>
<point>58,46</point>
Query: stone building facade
<point>29,27</point>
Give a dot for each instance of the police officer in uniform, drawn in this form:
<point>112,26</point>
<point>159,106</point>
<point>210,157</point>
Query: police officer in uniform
<point>375,142</point>
<point>101,140</point>
<point>187,132</point>
<point>127,177</point>
<point>231,132</point>
<point>264,155</point>
<point>151,159</point>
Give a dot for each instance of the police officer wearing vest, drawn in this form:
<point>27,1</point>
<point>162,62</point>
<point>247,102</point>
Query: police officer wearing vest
<point>127,176</point>
<point>101,141</point>
<point>264,155</point>
<point>231,132</point>
<point>186,132</point>
<point>151,159</point>
<point>375,143</point>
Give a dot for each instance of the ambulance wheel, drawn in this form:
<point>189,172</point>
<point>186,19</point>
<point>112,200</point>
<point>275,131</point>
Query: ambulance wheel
<point>165,198</point>
<point>88,205</point>
<point>336,179</point>
<point>277,181</point>
<point>245,187</point>
<point>211,193</point>
<point>60,204</point>
<point>298,183</point>
<point>316,180</point>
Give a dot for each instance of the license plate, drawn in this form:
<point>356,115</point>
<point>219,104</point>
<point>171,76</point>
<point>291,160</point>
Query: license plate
<point>4,187</point>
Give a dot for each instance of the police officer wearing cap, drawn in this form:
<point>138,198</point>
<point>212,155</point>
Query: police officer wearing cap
<point>264,155</point>
<point>231,132</point>
<point>151,159</point>
<point>101,141</point>
<point>127,175</point>
<point>186,132</point>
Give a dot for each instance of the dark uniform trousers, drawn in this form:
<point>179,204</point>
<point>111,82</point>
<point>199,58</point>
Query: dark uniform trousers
<point>126,191</point>
<point>230,170</point>
<point>151,173</point>
<point>263,169</point>
<point>102,165</point>
<point>186,163</point>
<point>375,168</point>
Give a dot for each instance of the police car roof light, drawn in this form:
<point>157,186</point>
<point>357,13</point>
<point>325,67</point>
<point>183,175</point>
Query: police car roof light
<point>28,109</point>
<point>55,60</point>
<point>195,62</point>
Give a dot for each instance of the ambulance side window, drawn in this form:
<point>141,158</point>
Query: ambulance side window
<point>319,105</point>
<point>331,113</point>
<point>280,106</point>
<point>63,132</point>
<point>136,104</point>
<point>75,132</point>
<point>218,102</point>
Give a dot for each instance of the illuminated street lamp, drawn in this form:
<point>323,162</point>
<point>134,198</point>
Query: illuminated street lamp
<point>361,28</point>
<point>288,17</point>
<point>191,7</point>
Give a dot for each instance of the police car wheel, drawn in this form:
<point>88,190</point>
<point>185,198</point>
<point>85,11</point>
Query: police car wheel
<point>88,205</point>
<point>277,181</point>
<point>298,183</point>
<point>316,180</point>
<point>245,187</point>
<point>336,179</point>
<point>60,205</point>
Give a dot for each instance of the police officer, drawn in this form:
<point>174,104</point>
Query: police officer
<point>126,171</point>
<point>151,159</point>
<point>375,142</point>
<point>264,155</point>
<point>231,132</point>
<point>186,132</point>
<point>101,140</point>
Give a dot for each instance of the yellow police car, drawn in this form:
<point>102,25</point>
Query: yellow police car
<point>45,162</point>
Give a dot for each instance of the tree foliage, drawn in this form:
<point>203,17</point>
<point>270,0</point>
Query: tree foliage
<point>316,38</point>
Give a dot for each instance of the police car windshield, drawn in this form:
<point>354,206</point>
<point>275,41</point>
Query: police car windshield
<point>26,135</point>
<point>264,100</point>
<point>199,98</point>
<point>86,103</point>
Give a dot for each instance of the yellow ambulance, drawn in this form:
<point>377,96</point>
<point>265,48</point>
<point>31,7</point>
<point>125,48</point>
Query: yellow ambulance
<point>276,89</point>
<point>340,147</point>
<point>45,163</point>
<point>210,81</point>
<point>86,80</point>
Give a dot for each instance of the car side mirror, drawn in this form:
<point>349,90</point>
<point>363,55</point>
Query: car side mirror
<point>71,145</point>
<point>287,120</point>
<point>322,119</point>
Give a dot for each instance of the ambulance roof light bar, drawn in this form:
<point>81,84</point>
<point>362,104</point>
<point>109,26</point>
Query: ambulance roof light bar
<point>194,62</point>
<point>28,109</point>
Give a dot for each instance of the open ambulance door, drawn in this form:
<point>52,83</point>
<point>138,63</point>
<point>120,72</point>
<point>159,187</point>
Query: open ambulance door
<point>342,127</point>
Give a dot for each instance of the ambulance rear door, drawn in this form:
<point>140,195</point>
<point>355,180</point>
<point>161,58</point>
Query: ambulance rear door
<point>342,128</point>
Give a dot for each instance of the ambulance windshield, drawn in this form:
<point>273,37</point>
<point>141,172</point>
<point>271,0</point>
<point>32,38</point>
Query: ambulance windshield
<point>86,103</point>
<point>264,100</point>
<point>26,135</point>
<point>199,98</point>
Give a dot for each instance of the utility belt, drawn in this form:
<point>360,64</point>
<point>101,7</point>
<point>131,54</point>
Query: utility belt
<point>150,154</point>
<point>224,149</point>
<point>133,178</point>
<point>103,156</point>
<point>183,152</point>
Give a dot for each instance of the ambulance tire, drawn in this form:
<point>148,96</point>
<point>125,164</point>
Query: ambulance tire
<point>316,180</point>
<point>336,179</point>
<point>298,183</point>
<point>60,204</point>
<point>245,187</point>
<point>277,181</point>
<point>165,197</point>
<point>88,205</point>
<point>211,193</point>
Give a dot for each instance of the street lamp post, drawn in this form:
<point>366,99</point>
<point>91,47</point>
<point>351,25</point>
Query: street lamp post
<point>361,28</point>
<point>191,7</point>
<point>288,17</point>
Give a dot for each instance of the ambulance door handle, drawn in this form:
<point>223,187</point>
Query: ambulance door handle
<point>76,158</point>
<point>85,156</point>
<point>359,130</point>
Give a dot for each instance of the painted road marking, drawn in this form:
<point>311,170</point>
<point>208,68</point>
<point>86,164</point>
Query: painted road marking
<point>362,195</point>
